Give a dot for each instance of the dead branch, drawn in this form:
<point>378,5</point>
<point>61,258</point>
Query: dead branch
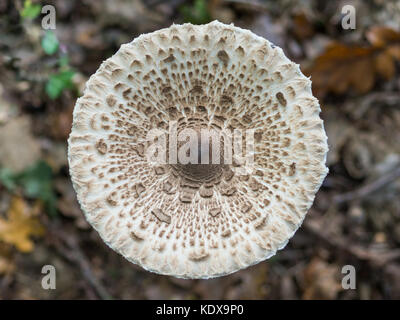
<point>376,259</point>
<point>368,188</point>
<point>254,5</point>
<point>71,250</point>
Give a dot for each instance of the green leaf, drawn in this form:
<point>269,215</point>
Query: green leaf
<point>58,82</point>
<point>197,13</point>
<point>50,42</point>
<point>7,179</point>
<point>63,62</point>
<point>30,11</point>
<point>37,183</point>
<point>35,179</point>
<point>54,87</point>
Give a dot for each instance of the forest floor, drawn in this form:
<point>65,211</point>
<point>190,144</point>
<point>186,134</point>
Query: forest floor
<point>355,219</point>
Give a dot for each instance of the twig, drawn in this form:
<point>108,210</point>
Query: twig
<point>391,98</point>
<point>255,5</point>
<point>376,259</point>
<point>71,250</point>
<point>373,99</point>
<point>368,188</point>
<point>153,3</point>
<point>5,282</point>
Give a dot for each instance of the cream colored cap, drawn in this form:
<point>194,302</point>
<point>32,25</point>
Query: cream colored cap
<point>197,221</point>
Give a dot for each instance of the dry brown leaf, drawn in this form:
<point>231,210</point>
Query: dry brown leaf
<point>21,224</point>
<point>321,280</point>
<point>389,40</point>
<point>302,26</point>
<point>361,74</point>
<point>342,67</point>
<point>394,51</point>
<point>380,36</point>
<point>384,65</point>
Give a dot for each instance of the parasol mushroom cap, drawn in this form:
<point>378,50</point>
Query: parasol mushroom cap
<point>197,220</point>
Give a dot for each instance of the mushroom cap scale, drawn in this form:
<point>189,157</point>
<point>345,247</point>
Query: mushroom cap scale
<point>187,220</point>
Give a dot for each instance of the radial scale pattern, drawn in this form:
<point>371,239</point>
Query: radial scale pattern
<point>188,220</point>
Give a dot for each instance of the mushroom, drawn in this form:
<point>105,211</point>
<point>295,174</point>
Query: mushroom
<point>197,220</point>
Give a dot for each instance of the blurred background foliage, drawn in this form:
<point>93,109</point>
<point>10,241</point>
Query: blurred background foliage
<point>355,218</point>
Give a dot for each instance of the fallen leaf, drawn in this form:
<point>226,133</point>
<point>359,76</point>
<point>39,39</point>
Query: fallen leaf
<point>302,26</point>
<point>386,38</point>
<point>361,75</point>
<point>321,280</point>
<point>394,51</point>
<point>380,36</point>
<point>385,65</point>
<point>20,225</point>
<point>343,67</point>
